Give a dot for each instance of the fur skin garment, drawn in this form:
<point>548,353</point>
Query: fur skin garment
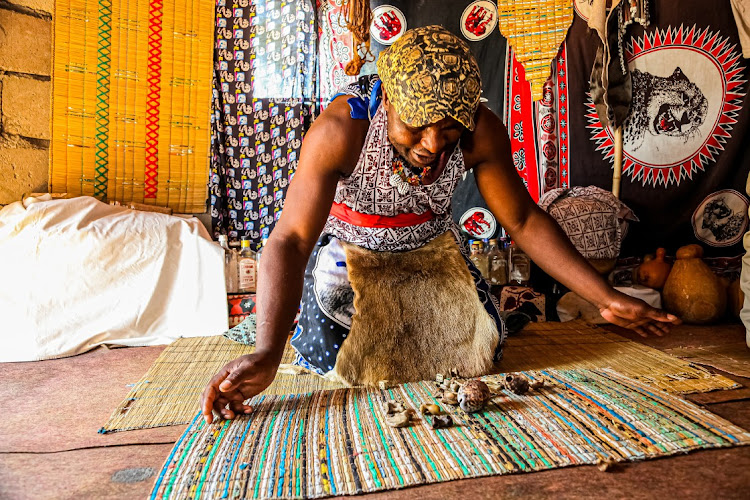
<point>417,314</point>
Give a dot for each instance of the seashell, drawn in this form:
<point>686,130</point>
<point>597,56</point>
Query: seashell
<point>473,395</point>
<point>517,383</point>
<point>455,386</point>
<point>450,398</point>
<point>454,373</point>
<point>440,421</point>
<point>400,419</point>
<point>430,409</point>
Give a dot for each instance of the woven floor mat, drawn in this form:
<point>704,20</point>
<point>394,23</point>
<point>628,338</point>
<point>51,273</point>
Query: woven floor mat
<point>169,392</point>
<point>337,442</point>
<point>730,358</point>
<point>576,345</point>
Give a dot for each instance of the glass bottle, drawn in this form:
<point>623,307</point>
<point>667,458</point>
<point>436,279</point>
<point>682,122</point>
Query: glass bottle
<point>479,258</point>
<point>230,265</point>
<point>247,266</point>
<point>498,262</point>
<point>520,265</point>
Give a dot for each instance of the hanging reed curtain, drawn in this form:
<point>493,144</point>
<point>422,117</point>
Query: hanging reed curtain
<point>131,100</point>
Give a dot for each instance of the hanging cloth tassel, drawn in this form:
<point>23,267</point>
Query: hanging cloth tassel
<point>611,86</point>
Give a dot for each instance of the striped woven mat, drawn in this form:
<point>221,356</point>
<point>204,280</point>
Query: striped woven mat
<point>337,443</point>
<point>169,392</point>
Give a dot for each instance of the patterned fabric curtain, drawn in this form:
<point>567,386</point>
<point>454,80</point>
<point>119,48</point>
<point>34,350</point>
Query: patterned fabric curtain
<point>263,98</point>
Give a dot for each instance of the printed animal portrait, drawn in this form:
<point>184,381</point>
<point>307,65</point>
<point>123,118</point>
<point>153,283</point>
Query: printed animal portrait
<point>721,220</point>
<point>672,106</point>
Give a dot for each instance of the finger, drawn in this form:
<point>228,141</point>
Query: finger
<point>207,403</point>
<point>663,316</point>
<point>233,379</point>
<point>654,330</point>
<point>640,331</point>
<point>240,407</point>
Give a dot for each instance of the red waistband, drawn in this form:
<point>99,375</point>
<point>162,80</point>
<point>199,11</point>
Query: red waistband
<point>346,214</point>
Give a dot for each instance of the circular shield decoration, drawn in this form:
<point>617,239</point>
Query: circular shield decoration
<point>479,20</point>
<point>478,223</point>
<point>550,178</point>
<point>687,90</point>
<point>388,24</point>
<point>583,8</point>
<point>721,218</point>
<point>547,123</point>
<point>549,150</point>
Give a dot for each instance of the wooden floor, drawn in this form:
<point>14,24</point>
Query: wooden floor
<point>51,411</point>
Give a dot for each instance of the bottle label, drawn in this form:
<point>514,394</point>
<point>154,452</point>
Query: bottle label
<point>247,274</point>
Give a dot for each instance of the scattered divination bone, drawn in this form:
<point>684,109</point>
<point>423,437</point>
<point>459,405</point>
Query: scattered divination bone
<point>440,421</point>
<point>397,415</point>
<point>430,409</point>
<point>450,398</point>
<point>520,384</point>
<point>516,383</point>
<point>606,465</point>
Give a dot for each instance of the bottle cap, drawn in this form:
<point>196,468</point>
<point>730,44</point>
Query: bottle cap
<point>245,243</point>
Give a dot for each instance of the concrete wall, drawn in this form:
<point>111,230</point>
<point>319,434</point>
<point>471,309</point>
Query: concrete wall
<point>25,96</point>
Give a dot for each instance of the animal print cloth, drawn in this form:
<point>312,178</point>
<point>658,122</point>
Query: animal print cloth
<point>368,191</point>
<point>428,74</point>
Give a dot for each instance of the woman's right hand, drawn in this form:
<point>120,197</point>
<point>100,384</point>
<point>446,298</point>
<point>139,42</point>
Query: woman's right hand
<point>238,381</point>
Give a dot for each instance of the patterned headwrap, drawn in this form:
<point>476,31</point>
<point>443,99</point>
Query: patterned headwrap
<point>429,74</point>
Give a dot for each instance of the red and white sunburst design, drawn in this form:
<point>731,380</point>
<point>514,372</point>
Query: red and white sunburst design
<point>708,61</point>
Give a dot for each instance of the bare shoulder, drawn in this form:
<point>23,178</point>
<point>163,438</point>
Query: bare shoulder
<point>335,139</point>
<point>488,142</point>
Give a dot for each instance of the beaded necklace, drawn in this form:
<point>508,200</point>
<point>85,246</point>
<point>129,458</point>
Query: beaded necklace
<point>401,179</point>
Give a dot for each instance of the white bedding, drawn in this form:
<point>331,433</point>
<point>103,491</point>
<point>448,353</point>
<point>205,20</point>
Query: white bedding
<point>78,273</point>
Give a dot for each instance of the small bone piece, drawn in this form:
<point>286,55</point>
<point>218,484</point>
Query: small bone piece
<point>430,409</point>
<point>606,465</point>
<point>455,386</point>
<point>440,421</point>
<point>401,419</point>
<point>395,407</point>
<point>450,398</point>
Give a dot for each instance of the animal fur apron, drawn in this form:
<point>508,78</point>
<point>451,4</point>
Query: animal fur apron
<point>416,314</point>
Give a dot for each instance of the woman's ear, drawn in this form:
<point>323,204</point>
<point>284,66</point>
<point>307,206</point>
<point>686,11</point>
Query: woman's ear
<point>385,95</point>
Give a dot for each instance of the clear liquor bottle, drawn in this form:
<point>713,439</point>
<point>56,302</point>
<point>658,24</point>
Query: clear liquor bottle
<point>247,266</point>
<point>520,265</point>
<point>498,262</point>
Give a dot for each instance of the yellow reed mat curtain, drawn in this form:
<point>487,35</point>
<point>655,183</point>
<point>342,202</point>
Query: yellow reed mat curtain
<point>535,29</point>
<point>131,100</point>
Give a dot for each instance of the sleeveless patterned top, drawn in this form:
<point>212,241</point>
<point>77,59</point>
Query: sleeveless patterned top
<point>367,190</point>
